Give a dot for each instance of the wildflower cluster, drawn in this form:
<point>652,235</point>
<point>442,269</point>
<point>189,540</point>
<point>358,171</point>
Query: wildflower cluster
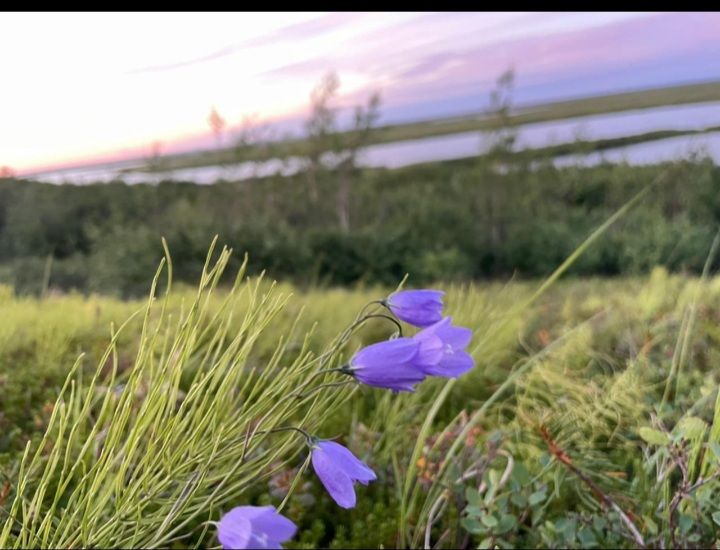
<point>398,364</point>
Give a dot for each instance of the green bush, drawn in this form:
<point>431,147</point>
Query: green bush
<point>449,220</point>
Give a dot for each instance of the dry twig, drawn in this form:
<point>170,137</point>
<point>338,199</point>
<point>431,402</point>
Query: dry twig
<point>605,500</point>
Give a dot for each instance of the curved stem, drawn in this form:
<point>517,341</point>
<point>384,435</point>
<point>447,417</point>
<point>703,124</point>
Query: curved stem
<point>325,371</point>
<point>324,358</point>
<point>294,483</point>
<point>321,386</point>
<point>307,436</point>
<point>383,316</point>
<point>379,302</point>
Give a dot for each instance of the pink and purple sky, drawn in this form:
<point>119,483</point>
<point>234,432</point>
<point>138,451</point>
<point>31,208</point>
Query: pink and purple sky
<point>84,87</point>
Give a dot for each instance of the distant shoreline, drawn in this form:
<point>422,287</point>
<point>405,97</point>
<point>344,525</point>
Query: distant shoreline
<point>477,121</point>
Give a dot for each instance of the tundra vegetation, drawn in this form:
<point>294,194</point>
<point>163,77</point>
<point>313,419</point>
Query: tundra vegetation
<point>589,419</point>
<point>157,393</point>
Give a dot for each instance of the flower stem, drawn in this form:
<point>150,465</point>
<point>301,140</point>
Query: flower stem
<point>294,483</point>
<point>307,436</point>
<point>321,386</point>
<point>383,316</point>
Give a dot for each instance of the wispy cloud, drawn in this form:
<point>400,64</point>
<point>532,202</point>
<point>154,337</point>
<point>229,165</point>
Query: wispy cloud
<point>618,49</point>
<point>289,33</point>
<point>134,78</point>
<point>309,29</point>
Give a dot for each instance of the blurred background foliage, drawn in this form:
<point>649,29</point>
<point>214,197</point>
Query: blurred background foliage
<point>456,220</point>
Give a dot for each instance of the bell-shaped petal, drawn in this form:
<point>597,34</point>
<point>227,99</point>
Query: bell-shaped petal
<point>352,465</point>
<point>457,337</point>
<point>420,308</point>
<point>431,350</point>
<point>234,530</point>
<point>337,469</point>
<point>254,527</point>
<point>453,364</point>
<point>441,350</point>
<point>388,365</point>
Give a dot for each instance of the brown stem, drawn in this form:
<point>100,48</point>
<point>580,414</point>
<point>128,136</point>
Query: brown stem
<point>604,499</point>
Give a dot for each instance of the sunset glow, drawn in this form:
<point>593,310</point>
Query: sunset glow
<point>83,86</point>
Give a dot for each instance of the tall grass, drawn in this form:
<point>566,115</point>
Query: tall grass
<point>135,459</point>
<point>149,449</point>
<point>421,502</point>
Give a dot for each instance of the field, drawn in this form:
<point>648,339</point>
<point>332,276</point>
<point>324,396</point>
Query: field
<point>360,280</point>
<point>589,419</point>
<point>148,386</point>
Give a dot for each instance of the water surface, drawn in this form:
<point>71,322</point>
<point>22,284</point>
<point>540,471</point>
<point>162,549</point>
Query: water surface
<point>467,144</point>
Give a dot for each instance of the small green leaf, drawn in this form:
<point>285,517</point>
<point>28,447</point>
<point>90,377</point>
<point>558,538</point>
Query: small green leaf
<point>599,523</point>
<point>507,522</point>
<point>519,500</point>
<point>474,511</point>
<point>685,522</point>
<point>653,436</point>
<point>570,531</point>
<point>472,495</point>
<point>716,517</point>
<point>471,525</point>
<point>486,543</point>
<point>691,427</point>
<point>521,474</point>
<point>587,538</point>
<point>489,520</point>
<point>537,497</point>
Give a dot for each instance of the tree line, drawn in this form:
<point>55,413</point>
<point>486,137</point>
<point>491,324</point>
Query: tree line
<point>455,220</point>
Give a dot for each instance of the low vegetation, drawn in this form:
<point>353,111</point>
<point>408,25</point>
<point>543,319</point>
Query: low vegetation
<point>457,220</point>
<point>588,421</point>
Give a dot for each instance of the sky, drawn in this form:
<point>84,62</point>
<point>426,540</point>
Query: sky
<point>84,87</point>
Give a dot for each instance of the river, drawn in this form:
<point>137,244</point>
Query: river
<point>467,144</point>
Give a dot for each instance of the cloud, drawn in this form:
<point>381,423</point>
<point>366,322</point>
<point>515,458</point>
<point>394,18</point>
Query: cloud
<point>307,29</point>
<point>648,42</point>
<point>297,31</point>
<point>305,68</point>
<point>613,56</point>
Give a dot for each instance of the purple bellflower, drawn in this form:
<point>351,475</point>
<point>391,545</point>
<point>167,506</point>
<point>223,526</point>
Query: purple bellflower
<point>442,350</point>
<point>338,468</point>
<point>254,527</point>
<point>387,365</point>
<point>420,308</point>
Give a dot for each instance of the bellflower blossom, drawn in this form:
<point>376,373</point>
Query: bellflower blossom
<point>387,365</point>
<point>442,350</point>
<point>420,308</point>
<point>254,527</point>
<point>338,468</point>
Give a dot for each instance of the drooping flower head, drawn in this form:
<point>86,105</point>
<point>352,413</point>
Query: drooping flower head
<point>338,468</point>
<point>387,365</point>
<point>442,350</point>
<point>254,527</point>
<point>420,308</point>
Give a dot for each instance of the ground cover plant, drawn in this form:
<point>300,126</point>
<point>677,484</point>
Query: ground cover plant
<point>588,420</point>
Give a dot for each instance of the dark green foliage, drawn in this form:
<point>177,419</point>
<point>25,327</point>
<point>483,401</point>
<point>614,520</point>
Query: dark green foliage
<point>451,220</point>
